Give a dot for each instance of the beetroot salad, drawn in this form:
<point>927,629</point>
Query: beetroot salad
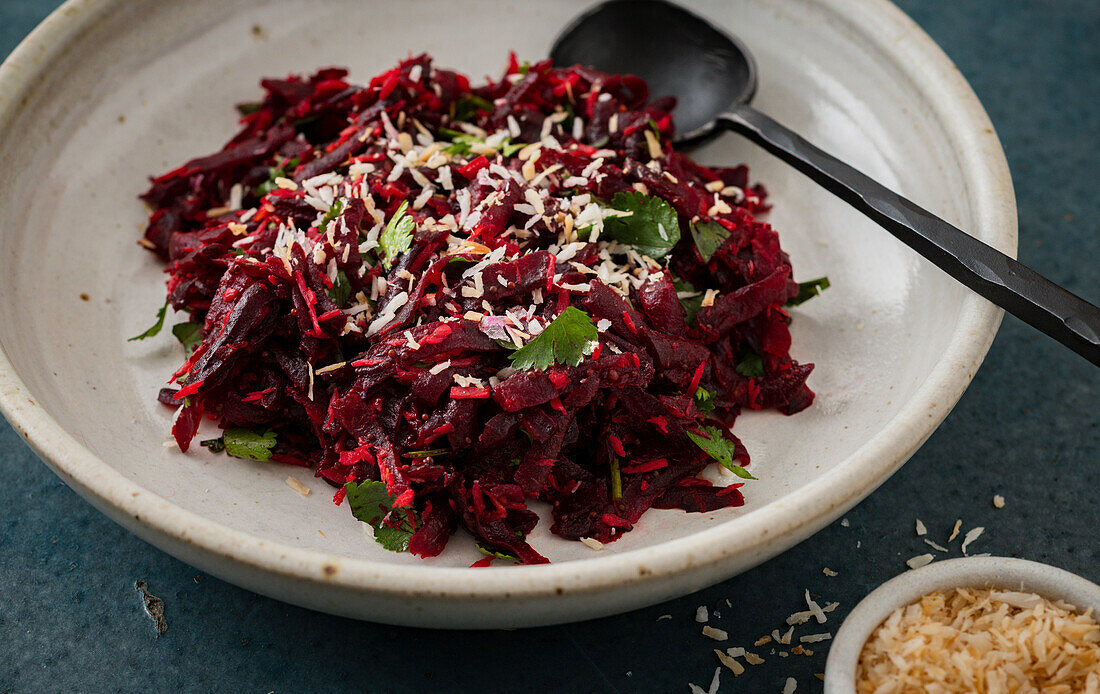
<point>452,300</point>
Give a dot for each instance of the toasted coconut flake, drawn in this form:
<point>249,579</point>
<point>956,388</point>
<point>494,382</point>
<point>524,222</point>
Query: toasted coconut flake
<point>593,543</point>
<point>981,640</point>
<point>998,501</point>
<point>297,486</point>
<point>735,667</point>
<point>955,530</point>
<point>971,535</point>
<point>919,561</point>
<point>716,634</point>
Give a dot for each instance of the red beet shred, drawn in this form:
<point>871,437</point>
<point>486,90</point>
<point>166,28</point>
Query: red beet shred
<point>365,263</point>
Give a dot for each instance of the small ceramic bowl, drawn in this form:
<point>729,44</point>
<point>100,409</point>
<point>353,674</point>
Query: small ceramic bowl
<point>970,572</point>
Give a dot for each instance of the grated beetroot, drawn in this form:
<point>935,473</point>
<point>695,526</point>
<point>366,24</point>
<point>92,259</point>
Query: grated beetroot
<point>375,361</point>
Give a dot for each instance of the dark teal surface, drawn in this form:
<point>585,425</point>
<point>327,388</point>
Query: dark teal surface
<point>1028,428</point>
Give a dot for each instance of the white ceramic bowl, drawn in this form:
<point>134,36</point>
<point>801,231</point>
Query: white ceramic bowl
<point>967,572</point>
<point>107,92</point>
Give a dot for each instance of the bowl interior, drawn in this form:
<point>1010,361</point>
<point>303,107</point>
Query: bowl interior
<point>151,84</point>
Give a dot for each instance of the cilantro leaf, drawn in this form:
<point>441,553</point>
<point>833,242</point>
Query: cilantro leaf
<point>372,504</point>
<point>341,289</point>
<point>653,227</point>
<point>708,237</point>
<point>330,216</point>
<point>719,448</point>
<point>156,326</point>
<point>750,364</point>
<point>704,399</point>
<point>189,334</point>
<point>213,445</point>
<point>808,290</point>
<point>249,108</point>
<point>512,147</point>
<point>691,304</point>
<point>467,107</point>
<point>281,171</point>
<point>248,444</point>
<point>397,237</point>
<point>566,340</point>
<point>490,552</point>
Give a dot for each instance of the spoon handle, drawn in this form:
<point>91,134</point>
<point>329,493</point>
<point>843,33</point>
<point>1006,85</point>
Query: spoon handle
<point>1015,287</point>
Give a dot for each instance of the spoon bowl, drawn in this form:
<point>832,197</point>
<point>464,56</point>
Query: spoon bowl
<point>713,76</point>
<point>670,48</point>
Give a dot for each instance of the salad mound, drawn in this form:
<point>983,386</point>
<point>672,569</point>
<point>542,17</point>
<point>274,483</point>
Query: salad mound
<point>453,300</point>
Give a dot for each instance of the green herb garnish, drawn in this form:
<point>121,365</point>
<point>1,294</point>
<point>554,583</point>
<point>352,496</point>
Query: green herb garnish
<point>568,339</point>
<point>719,448</point>
<point>691,304</point>
<point>708,237</point>
<point>373,505</point>
<point>466,107</point>
<point>248,444</point>
<point>616,480</point>
<point>427,453</point>
<point>281,171</point>
<point>397,237</point>
<point>704,399</point>
<point>487,551</point>
<point>156,326</point>
<point>341,289</point>
<point>189,334</point>
<point>750,364</point>
<point>808,290</point>
<point>213,445</point>
<point>653,227</point>
<point>331,215</point>
<point>249,108</point>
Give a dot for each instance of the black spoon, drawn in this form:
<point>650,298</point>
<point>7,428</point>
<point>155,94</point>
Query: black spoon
<point>713,77</point>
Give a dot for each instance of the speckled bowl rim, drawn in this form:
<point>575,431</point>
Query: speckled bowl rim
<point>966,572</point>
<point>799,514</point>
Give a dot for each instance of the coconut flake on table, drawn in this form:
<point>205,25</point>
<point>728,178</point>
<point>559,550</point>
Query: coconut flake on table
<point>919,561</point>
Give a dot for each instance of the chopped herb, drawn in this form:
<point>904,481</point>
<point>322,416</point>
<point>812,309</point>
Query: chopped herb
<point>566,340</point>
<point>525,68</point>
<point>341,289</point>
<point>397,237</point>
<point>301,123</point>
<point>654,127</point>
<point>653,227</point>
<point>281,171</point>
<point>373,505</point>
<point>467,107</point>
<point>333,211</point>
<point>248,444</point>
<point>249,108</point>
<point>708,236</point>
<point>616,480</point>
<point>463,143</point>
<point>750,364</point>
<point>156,326</point>
<point>213,445</point>
<point>808,290</point>
<point>719,448</point>
<point>426,454</point>
<point>189,334</point>
<point>704,399</point>
<point>489,552</point>
<point>691,304</point>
